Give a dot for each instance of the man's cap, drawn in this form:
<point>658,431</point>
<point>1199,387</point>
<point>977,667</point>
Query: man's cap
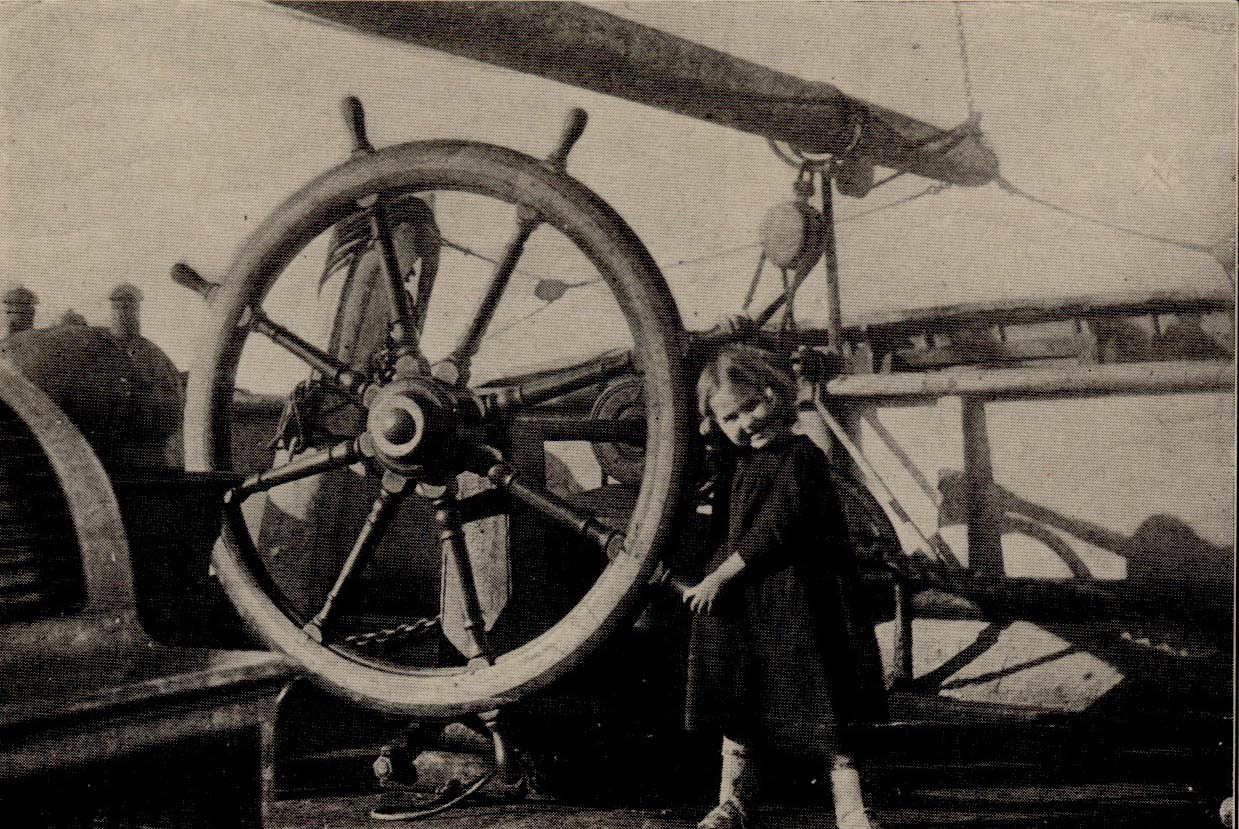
<point>20,295</point>
<point>125,292</point>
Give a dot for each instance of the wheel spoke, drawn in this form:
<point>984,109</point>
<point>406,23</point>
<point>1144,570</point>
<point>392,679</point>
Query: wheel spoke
<point>549,385</point>
<point>456,553</point>
<point>462,356</point>
<point>337,372</point>
<point>527,221</point>
<point>585,525</point>
<point>404,323</point>
<point>404,328</point>
<point>381,514</point>
<point>344,453</point>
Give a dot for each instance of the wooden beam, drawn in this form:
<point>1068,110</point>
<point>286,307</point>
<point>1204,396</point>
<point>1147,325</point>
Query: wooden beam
<point>1009,351</point>
<point>589,48</point>
<point>1017,311</point>
<point>912,388</point>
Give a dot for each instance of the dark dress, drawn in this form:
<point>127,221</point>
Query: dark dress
<point>789,657</point>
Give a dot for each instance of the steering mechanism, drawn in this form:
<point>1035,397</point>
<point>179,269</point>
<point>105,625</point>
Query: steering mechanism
<point>421,429</point>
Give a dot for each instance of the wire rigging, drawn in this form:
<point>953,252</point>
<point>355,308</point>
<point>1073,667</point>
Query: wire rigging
<point>1187,244</point>
<point>679,263</point>
<point>1217,251</point>
<point>748,297</point>
<point>467,251</point>
<point>931,190</point>
<point>695,260</point>
<point>518,321</point>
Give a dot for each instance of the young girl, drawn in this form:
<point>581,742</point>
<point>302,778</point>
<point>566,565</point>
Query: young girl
<point>781,657</point>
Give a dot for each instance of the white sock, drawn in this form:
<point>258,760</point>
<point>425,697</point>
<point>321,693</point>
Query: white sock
<point>849,801</point>
<point>738,782</point>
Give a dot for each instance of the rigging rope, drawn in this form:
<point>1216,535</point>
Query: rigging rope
<point>748,297</point>
<point>887,179</point>
<point>547,289</point>
<point>1019,192</point>
<point>949,137</point>
<point>467,251</point>
<point>788,323</point>
<point>535,312</point>
<point>679,263</point>
<point>931,190</point>
<point>1218,252</point>
<point>518,321</point>
<point>707,257</point>
<point>963,60</point>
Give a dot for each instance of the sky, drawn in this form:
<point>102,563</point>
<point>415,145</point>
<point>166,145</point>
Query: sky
<point>139,135</point>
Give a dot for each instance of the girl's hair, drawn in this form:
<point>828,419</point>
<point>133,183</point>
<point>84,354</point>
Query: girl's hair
<point>745,368</point>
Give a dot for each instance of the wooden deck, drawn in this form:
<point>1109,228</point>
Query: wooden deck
<point>940,764</point>
<point>1074,807</point>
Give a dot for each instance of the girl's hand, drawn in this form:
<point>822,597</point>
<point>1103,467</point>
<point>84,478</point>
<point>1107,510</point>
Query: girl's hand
<point>702,597</point>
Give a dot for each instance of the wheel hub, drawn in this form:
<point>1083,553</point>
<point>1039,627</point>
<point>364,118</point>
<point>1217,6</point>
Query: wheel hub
<point>414,422</point>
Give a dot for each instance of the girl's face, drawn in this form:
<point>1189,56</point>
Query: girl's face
<point>748,417</point>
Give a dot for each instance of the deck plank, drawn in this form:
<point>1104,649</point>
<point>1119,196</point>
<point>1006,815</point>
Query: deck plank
<point>351,813</point>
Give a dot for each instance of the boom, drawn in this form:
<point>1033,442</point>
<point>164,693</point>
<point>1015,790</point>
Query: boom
<point>591,49</point>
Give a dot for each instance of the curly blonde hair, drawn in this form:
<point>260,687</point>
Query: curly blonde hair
<point>748,369</point>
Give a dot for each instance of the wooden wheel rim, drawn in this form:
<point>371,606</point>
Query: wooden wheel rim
<point>652,318</point>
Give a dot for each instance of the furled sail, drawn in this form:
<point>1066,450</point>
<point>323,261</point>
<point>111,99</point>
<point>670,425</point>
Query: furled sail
<point>589,48</point>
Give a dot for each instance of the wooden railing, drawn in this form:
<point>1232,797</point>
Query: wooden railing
<point>856,396</point>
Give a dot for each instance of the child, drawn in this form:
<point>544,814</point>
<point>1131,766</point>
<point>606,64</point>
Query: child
<point>781,658</point>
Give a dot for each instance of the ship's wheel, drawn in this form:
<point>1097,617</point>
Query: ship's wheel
<point>421,422</point>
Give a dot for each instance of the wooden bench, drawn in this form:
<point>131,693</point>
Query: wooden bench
<point>100,724</point>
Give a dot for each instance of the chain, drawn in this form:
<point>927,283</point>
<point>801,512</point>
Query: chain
<point>386,636</point>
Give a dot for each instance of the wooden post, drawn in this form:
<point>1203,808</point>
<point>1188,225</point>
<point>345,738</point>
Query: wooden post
<point>530,606</point>
<point>901,675</point>
<point>984,531</point>
<point>834,309</point>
